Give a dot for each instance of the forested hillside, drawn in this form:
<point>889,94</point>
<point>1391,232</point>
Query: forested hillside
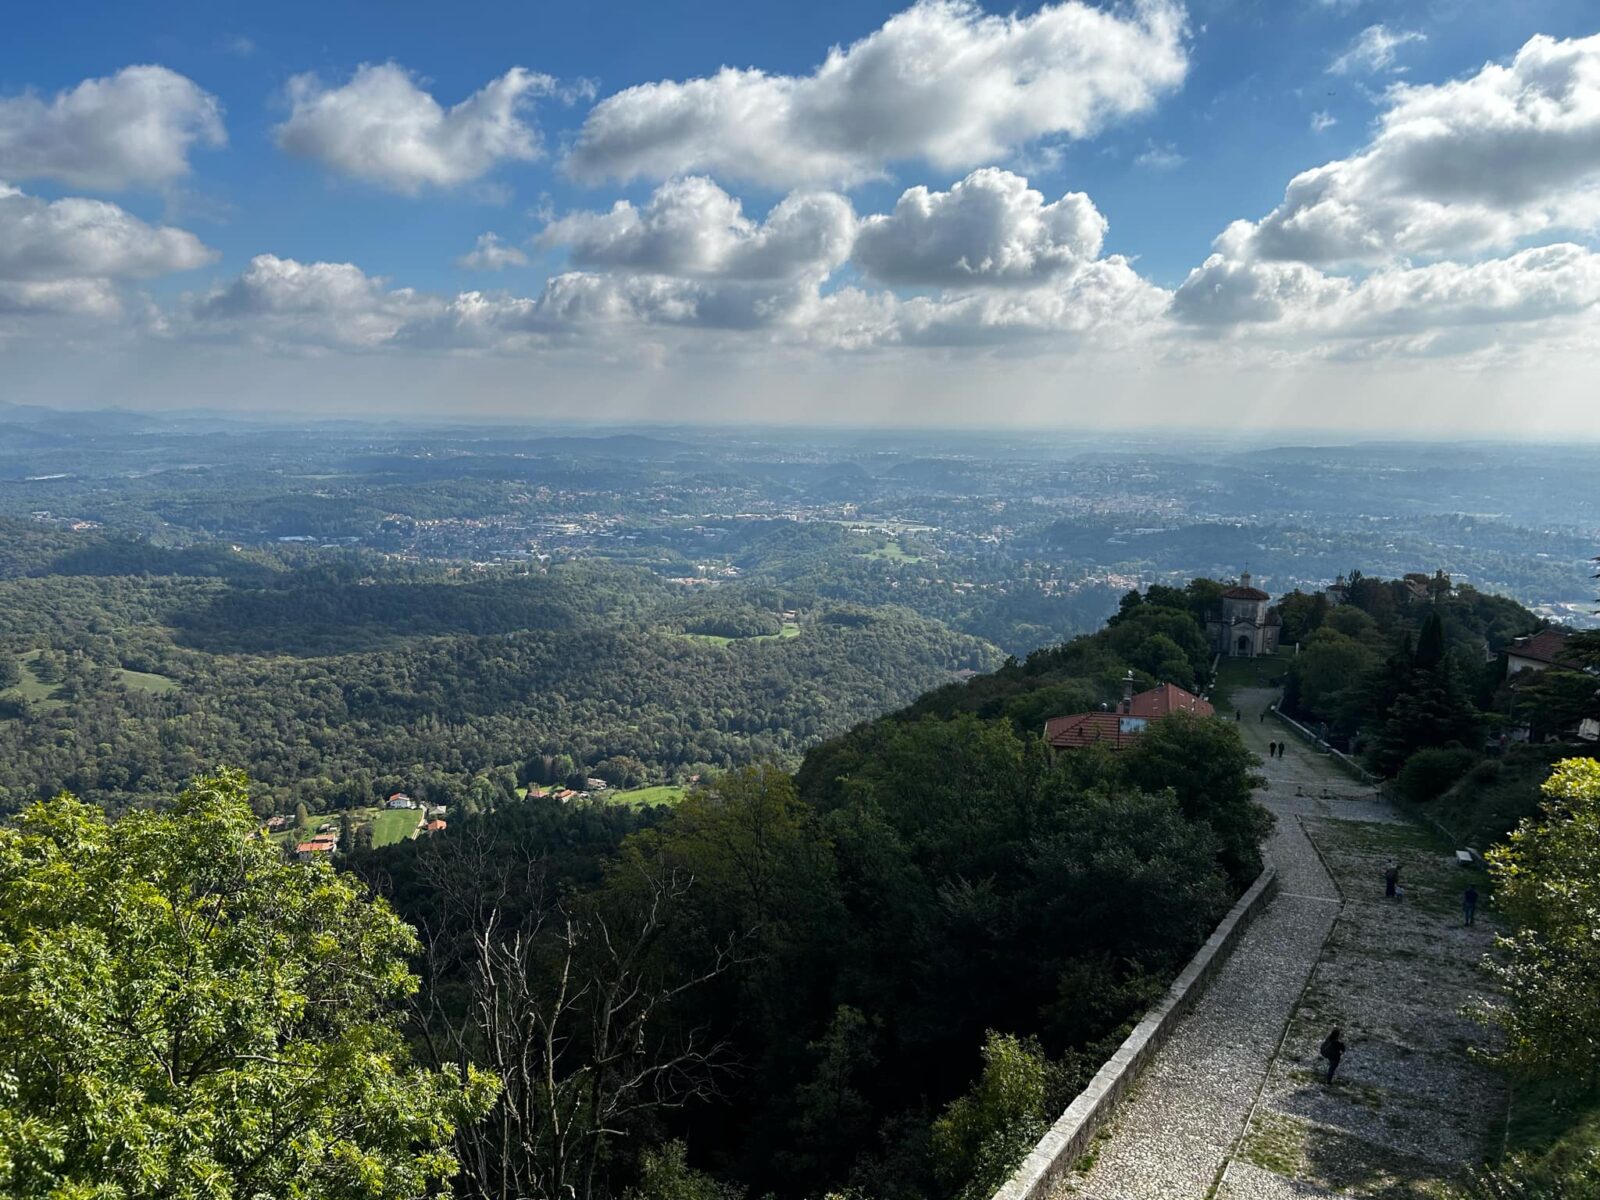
<point>883,972</point>
<point>880,973</point>
<point>336,683</point>
<point>1412,678</point>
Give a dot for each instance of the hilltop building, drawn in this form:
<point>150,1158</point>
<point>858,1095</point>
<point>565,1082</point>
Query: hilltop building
<point>1539,652</point>
<point>1242,627</point>
<point>1116,729</point>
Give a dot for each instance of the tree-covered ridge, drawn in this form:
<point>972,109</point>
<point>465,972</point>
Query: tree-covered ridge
<point>855,933</point>
<point>349,676</point>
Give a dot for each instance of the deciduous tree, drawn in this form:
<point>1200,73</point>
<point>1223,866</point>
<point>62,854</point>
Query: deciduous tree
<point>182,1013</point>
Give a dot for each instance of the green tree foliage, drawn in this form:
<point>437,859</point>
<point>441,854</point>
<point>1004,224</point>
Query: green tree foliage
<point>1429,774</point>
<point>735,621</point>
<point>479,676</point>
<point>1431,707</point>
<point>1302,615</point>
<point>982,1135</point>
<point>1326,679</point>
<point>1207,767</point>
<point>10,670</point>
<point>665,1174</point>
<point>1547,878</point>
<point>183,1013</point>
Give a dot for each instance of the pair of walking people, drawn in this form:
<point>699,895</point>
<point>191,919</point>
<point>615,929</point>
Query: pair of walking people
<point>1275,749</point>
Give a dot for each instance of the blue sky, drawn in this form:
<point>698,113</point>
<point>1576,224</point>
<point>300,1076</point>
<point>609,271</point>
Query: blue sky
<point>1204,122</point>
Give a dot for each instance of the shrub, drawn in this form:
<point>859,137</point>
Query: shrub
<point>984,1134</point>
<point>1429,774</point>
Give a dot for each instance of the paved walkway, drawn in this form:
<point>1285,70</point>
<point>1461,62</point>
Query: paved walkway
<point>1182,1126</point>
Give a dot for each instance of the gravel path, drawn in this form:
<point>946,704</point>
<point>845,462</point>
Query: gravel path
<point>1220,1082</point>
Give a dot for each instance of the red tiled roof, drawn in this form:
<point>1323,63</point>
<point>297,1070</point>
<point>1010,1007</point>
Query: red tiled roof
<point>1116,729</point>
<point>1546,646</point>
<point>435,826</point>
<point>317,846</point>
<point>1112,729</point>
<point>1245,593</point>
<point>1168,698</point>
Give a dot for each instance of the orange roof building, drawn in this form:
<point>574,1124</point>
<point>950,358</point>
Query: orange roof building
<point>1133,716</point>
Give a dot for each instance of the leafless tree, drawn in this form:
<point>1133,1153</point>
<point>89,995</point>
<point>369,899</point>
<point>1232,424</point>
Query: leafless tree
<point>570,1004</point>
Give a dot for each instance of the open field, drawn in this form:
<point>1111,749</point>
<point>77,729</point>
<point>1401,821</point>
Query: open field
<point>789,630</point>
<point>144,681</point>
<point>42,695</point>
<point>646,796</point>
<point>394,825</point>
<point>893,552</point>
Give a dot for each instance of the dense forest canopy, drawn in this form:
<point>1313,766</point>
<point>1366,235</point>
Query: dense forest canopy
<point>835,1018</point>
<point>882,973</point>
<point>426,678</point>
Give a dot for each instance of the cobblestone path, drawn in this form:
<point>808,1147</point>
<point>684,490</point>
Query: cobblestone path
<point>1232,1101</point>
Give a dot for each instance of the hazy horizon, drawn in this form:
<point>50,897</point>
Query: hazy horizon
<point>1336,216</point>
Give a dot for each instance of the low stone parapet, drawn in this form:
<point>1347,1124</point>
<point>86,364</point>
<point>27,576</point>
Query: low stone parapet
<point>1069,1139</point>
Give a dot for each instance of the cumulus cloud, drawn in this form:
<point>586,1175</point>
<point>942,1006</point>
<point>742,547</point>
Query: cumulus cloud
<point>990,228</point>
<point>1225,292</point>
<point>1454,168</point>
<point>692,228</point>
<point>320,303</point>
<point>491,254</point>
<point>59,297</point>
<point>134,128</point>
<point>383,128</point>
<point>1373,50</point>
<point>1106,298</point>
<point>1531,286</point>
<point>942,82</point>
<point>68,255</point>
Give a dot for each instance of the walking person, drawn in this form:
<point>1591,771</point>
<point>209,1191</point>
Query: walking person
<point>1238,714</point>
<point>1263,720</point>
<point>1332,1049</point>
<point>1272,749</point>
<point>1391,881</point>
<point>1469,905</point>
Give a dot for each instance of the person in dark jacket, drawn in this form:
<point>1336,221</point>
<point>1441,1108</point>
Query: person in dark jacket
<point>1391,881</point>
<point>1272,749</point>
<point>1332,1049</point>
<point>1469,905</point>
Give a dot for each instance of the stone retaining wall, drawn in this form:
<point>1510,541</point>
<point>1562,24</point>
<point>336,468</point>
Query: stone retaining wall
<point>1344,760</point>
<point>1069,1138</point>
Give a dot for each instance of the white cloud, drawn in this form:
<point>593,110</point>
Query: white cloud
<point>1106,298</point>
<point>1373,50</point>
<point>383,128</point>
<point>1164,157</point>
<point>68,255</point>
<point>1225,292</point>
<point>134,128</point>
<point>942,82</point>
<point>989,228</point>
<point>1323,120</point>
<point>59,297</point>
<point>1529,287</point>
<point>1459,167</point>
<point>692,228</point>
<point>320,303</point>
<point>491,254</point>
